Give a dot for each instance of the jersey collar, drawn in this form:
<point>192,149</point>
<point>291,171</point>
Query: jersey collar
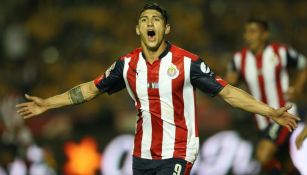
<point>164,53</point>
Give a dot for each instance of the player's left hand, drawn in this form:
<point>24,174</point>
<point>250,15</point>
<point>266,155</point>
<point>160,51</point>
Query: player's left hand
<point>282,117</point>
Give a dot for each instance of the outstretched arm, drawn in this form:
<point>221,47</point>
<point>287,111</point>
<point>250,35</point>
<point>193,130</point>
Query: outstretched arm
<point>79,94</point>
<point>240,99</point>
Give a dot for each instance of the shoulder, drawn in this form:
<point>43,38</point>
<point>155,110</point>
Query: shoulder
<point>180,52</point>
<point>241,52</point>
<point>277,46</point>
<point>131,54</point>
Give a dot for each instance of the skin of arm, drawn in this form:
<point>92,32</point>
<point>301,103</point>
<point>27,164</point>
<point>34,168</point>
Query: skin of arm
<point>240,99</point>
<point>77,95</point>
<point>297,88</point>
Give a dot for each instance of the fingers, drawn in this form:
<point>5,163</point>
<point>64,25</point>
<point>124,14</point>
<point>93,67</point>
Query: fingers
<point>29,97</point>
<point>292,124</point>
<point>25,113</point>
<point>286,108</point>
<point>289,128</point>
<point>28,115</point>
<point>23,104</point>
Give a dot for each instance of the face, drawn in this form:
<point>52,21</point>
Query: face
<point>255,36</point>
<point>152,29</point>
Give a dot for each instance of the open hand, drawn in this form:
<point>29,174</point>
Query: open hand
<point>282,117</point>
<point>34,107</point>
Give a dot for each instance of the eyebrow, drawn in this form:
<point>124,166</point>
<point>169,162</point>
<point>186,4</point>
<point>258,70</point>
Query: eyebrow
<point>145,16</point>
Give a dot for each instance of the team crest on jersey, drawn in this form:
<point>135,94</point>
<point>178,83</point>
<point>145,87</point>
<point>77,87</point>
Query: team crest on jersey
<point>107,73</point>
<point>274,59</point>
<point>172,71</point>
<point>204,68</point>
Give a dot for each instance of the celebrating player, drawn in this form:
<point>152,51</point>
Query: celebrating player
<point>161,79</point>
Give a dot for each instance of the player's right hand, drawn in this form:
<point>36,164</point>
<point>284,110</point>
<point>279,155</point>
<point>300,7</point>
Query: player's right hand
<point>283,118</point>
<point>34,107</point>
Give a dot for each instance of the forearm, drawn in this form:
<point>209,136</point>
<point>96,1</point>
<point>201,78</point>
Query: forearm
<point>240,99</point>
<point>77,95</point>
<point>300,81</point>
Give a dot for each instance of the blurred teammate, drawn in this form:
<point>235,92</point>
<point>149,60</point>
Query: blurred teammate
<point>263,66</point>
<point>161,79</point>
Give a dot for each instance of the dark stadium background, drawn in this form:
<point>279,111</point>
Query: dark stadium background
<point>49,46</point>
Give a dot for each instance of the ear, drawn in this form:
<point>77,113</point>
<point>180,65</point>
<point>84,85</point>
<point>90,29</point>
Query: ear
<point>137,30</point>
<point>167,29</point>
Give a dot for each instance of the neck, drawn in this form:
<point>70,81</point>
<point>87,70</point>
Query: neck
<point>259,49</point>
<point>153,54</point>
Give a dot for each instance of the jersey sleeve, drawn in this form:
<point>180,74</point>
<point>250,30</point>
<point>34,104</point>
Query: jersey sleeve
<point>204,79</point>
<point>112,80</point>
<point>295,59</point>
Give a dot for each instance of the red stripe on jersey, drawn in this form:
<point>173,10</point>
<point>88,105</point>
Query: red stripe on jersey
<point>188,168</point>
<point>155,110</point>
<point>259,62</point>
<point>259,65</point>
<point>98,79</point>
<point>277,77</point>
<point>221,81</point>
<point>181,132</point>
<point>283,134</point>
<point>131,76</point>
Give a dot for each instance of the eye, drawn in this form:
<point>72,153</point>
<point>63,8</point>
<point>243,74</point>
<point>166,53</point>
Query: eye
<point>157,19</point>
<point>143,20</point>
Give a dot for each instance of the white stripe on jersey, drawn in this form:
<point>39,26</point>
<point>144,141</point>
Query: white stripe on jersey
<point>142,93</point>
<point>126,67</point>
<point>167,108</point>
<point>270,61</point>
<point>284,74</point>
<point>251,77</point>
<point>189,113</point>
<point>237,60</point>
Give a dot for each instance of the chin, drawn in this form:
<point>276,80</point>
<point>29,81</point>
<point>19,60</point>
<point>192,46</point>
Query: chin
<point>152,46</point>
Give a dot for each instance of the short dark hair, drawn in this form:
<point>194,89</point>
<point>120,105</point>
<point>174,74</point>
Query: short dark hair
<point>157,7</point>
<point>261,21</point>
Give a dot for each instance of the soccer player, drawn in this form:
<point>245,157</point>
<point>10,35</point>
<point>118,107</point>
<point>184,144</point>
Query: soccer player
<point>263,67</point>
<point>161,79</point>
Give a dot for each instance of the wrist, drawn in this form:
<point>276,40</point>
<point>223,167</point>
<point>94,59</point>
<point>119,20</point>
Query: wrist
<point>272,113</point>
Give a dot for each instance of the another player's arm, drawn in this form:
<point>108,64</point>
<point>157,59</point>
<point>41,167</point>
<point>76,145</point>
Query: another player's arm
<point>77,95</point>
<point>301,137</point>
<point>297,61</point>
<point>232,76</point>
<point>240,99</point>
<point>297,88</point>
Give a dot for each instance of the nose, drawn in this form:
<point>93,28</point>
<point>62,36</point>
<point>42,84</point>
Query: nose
<point>150,23</point>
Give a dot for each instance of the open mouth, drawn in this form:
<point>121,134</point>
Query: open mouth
<point>151,34</point>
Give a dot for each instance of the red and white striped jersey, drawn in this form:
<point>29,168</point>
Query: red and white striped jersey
<point>266,74</point>
<point>164,95</point>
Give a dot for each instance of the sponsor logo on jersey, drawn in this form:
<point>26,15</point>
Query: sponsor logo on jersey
<point>107,73</point>
<point>204,68</point>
